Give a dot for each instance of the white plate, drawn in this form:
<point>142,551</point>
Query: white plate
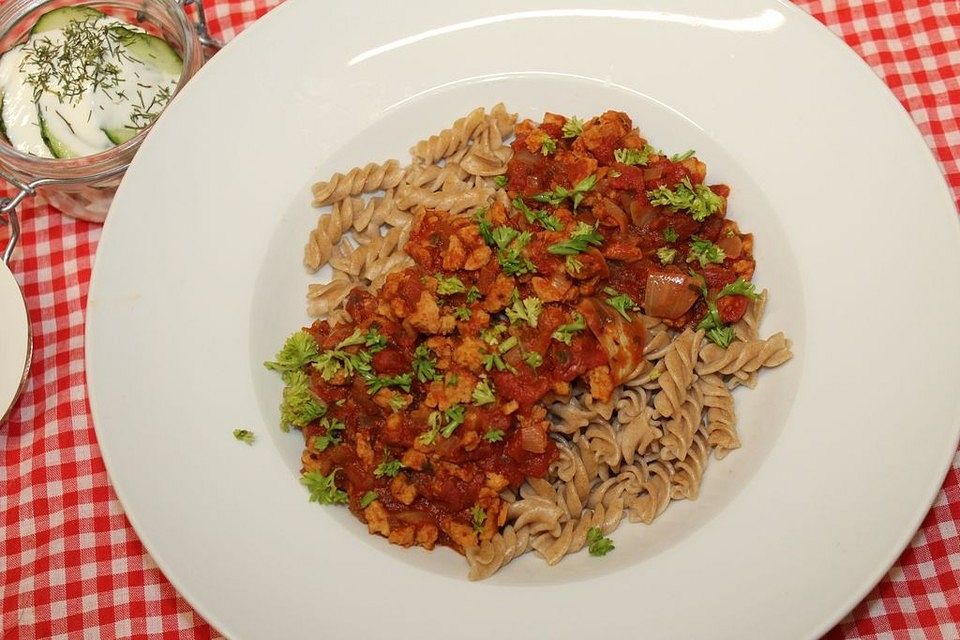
<point>15,343</point>
<point>198,280</point>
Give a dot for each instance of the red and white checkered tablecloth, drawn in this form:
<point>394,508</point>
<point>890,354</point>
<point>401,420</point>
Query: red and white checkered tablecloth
<point>71,565</point>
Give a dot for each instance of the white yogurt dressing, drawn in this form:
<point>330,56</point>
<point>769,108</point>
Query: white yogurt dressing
<point>79,123</point>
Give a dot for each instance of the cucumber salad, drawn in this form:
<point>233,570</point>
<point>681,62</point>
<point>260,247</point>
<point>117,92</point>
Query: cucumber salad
<point>82,83</point>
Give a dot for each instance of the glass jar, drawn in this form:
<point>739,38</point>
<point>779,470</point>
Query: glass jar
<point>84,187</point>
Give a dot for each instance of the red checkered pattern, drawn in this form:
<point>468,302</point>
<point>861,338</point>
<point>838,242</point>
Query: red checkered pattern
<point>71,566</point>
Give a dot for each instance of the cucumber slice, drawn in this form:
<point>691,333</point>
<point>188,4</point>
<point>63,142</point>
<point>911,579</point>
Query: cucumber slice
<point>59,18</point>
<point>121,134</point>
<point>150,50</point>
<point>57,147</point>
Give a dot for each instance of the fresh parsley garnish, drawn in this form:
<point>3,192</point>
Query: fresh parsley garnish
<point>376,383</point>
<point>331,361</point>
<point>322,488</point>
<point>500,181</point>
<point>670,235</point>
<point>573,265</point>
<point>372,338</point>
<point>397,402</point>
<point>473,294</point>
<point>428,437</point>
<point>572,127</point>
<point>705,252</point>
<point>547,145</point>
<point>454,416</point>
<point>494,435</point>
<point>565,332</point>
<point>722,336</point>
<point>680,157</point>
<point>621,302</point>
<point>462,313</point>
<point>299,350</point>
<point>666,255</point>
<point>582,237</point>
<point>483,393</point>
<point>533,359</point>
<point>424,365</point>
<point>599,545</point>
<point>527,310</point>
<point>244,435</point>
<point>576,194</point>
<point>739,287</point>
<point>368,498</point>
<point>548,221</point>
<point>484,224</point>
<point>491,335</point>
<point>711,324</point>
<point>332,425</point>
<point>300,406</point>
<point>478,516</point>
<point>634,157</point>
<point>447,286</point>
<point>700,201</point>
<point>510,244</point>
<point>388,467</point>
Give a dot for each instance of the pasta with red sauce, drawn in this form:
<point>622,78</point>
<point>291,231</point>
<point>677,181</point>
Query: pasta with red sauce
<point>533,341</point>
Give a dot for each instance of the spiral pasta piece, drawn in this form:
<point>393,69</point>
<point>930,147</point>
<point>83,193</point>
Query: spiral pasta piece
<point>324,298</point>
<point>449,141</point>
<point>721,419</point>
<point>371,177</point>
<point>744,357</point>
<point>680,429</point>
<point>678,372</point>
<point>452,201</point>
<point>685,483</point>
<point>655,495</point>
<point>488,557</point>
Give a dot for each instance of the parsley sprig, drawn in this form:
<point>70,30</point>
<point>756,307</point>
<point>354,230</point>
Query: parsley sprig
<point>331,437</point>
<point>300,405</point>
<point>598,544</point>
<point>582,237</point>
<point>298,351</point>
<point>244,435</point>
<point>388,467</point>
<point>548,221</point>
<point>424,365</point>
<point>527,310</point>
<point>494,435</point>
<point>699,200</point>
<point>449,285</point>
<point>478,516</point>
<point>573,127</point>
<point>576,194</point>
<point>634,157</point>
<point>483,393</point>
<point>621,302</point>
<point>565,332</point>
<point>705,252</point>
<point>322,488</point>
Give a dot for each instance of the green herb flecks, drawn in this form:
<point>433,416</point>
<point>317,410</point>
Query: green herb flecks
<point>565,332</point>
<point>576,194</point>
<point>699,201</point>
<point>598,544</point>
<point>322,488</point>
<point>582,237</point>
<point>244,435</point>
